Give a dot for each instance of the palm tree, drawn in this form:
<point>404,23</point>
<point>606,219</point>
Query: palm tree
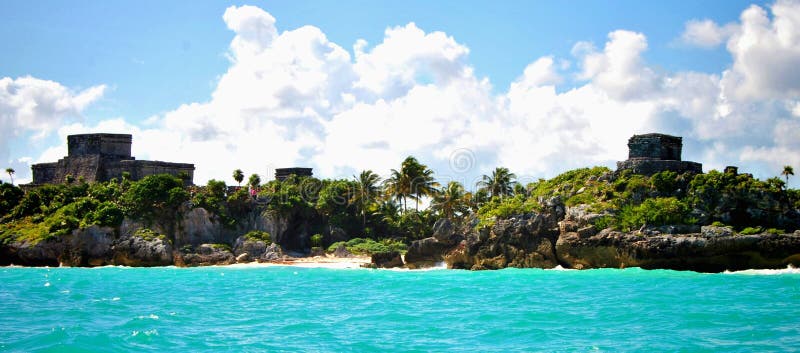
<point>254,181</point>
<point>450,200</point>
<point>787,171</point>
<point>238,176</point>
<point>420,177</point>
<point>367,184</point>
<point>11,172</point>
<point>413,180</point>
<point>501,183</point>
<point>397,186</point>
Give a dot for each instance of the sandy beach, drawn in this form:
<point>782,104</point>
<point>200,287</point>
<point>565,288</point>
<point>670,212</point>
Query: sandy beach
<point>314,262</point>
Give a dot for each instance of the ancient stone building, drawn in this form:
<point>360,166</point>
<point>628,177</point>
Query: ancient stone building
<point>283,173</point>
<point>100,157</point>
<point>652,153</point>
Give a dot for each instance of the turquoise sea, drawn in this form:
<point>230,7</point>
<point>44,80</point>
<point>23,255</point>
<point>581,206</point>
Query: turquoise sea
<point>285,309</point>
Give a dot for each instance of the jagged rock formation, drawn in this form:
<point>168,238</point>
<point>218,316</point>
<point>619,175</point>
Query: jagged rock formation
<point>101,157</point>
<point>561,236</point>
<point>713,250</point>
<point>524,241</point>
<point>652,153</point>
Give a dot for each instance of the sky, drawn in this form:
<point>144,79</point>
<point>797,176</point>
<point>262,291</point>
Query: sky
<point>539,87</point>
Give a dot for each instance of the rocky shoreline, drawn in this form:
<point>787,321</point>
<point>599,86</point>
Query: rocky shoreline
<point>555,236</point>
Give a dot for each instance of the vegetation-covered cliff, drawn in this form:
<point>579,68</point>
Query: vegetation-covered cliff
<point>157,220</point>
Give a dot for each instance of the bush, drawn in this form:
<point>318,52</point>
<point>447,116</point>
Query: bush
<point>362,246</point>
<point>751,230</point>
<point>653,211</point>
<point>316,240</point>
<point>148,234</point>
<point>257,235</point>
<point>155,196</point>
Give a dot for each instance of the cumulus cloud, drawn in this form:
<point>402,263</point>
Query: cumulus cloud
<point>29,105</point>
<point>766,52</point>
<point>706,33</point>
<point>293,98</point>
<point>619,69</point>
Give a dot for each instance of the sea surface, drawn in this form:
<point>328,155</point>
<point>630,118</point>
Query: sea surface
<point>285,309</point>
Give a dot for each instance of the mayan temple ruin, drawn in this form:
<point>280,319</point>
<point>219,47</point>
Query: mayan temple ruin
<point>101,157</point>
<point>652,153</point>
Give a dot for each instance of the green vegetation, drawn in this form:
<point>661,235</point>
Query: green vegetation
<point>10,172</point>
<point>362,246</point>
<point>149,234</point>
<point>787,171</point>
<point>238,176</point>
<point>378,210</point>
<point>500,184</point>
<point>257,235</point>
<point>629,201</point>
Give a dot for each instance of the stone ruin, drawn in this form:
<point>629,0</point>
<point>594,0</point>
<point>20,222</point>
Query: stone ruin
<point>282,173</point>
<point>652,153</point>
<point>101,157</point>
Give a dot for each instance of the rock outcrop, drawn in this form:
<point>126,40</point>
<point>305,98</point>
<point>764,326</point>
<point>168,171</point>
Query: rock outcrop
<point>713,250</point>
<point>205,255</point>
<point>429,251</point>
<point>388,259</point>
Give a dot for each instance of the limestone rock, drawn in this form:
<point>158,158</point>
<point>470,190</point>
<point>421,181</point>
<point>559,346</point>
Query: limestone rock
<point>273,252</point>
<point>425,253</point>
<point>444,231</point>
<point>254,248</point>
<point>209,254</point>
<point>243,258</point>
<point>132,250</point>
<point>714,231</point>
<point>387,259</point>
<point>341,251</point>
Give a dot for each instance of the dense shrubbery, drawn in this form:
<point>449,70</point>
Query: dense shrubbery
<point>362,246</point>
<point>378,211</point>
<point>257,235</point>
<point>56,210</point>
<point>631,201</point>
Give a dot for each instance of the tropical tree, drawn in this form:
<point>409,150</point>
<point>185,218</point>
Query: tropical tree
<point>254,181</point>
<point>398,187</point>
<point>500,183</point>
<point>11,172</point>
<point>238,176</point>
<point>451,200</point>
<point>414,180</point>
<point>787,171</point>
<point>366,193</point>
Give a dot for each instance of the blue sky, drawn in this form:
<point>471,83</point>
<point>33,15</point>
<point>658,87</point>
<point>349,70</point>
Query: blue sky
<point>171,73</point>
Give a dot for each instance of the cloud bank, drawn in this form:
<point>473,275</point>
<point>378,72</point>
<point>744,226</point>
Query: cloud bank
<point>294,98</point>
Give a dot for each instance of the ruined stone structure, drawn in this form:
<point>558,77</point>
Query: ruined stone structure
<point>283,173</point>
<point>100,157</point>
<point>652,153</point>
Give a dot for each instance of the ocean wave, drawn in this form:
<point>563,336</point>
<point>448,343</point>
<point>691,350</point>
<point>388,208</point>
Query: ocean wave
<point>789,270</point>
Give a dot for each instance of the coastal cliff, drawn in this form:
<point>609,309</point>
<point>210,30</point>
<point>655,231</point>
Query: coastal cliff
<point>581,219</point>
<point>542,240</point>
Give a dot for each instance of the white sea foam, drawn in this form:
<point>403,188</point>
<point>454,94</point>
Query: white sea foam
<point>788,270</point>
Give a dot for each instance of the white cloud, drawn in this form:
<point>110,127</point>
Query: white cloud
<point>34,106</point>
<point>295,98</point>
<point>706,33</point>
<point>619,69</point>
<point>31,104</point>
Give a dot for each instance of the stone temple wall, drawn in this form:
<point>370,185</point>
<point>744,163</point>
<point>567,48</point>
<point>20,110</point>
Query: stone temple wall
<point>101,157</point>
<point>283,173</point>
<point>655,146</point>
<point>116,145</point>
<point>652,153</point>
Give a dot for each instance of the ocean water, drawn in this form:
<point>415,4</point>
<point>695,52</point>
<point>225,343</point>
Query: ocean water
<point>284,309</point>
